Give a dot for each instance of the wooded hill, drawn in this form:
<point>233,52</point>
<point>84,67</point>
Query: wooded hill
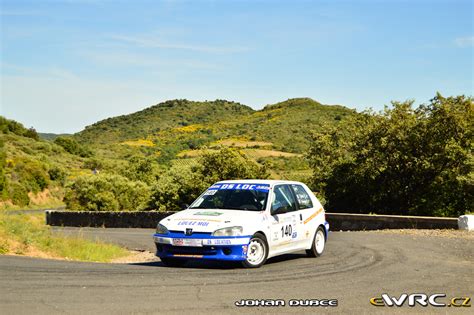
<point>37,167</point>
<point>174,126</point>
<point>407,159</point>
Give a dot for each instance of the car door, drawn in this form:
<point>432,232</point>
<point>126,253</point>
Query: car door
<point>305,209</point>
<point>285,223</point>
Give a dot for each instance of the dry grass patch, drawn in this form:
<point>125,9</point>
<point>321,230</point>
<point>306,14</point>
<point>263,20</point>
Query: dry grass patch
<point>242,143</point>
<point>260,153</point>
<point>22,234</point>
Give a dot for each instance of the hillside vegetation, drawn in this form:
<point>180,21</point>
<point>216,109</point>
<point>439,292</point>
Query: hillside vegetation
<point>172,127</point>
<point>404,160</point>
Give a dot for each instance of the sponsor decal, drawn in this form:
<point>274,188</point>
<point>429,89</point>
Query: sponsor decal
<point>290,303</point>
<point>244,250</point>
<point>226,241</point>
<point>238,186</point>
<point>194,223</point>
<point>275,236</point>
<point>195,219</point>
<point>420,299</point>
<point>222,242</point>
<point>210,213</point>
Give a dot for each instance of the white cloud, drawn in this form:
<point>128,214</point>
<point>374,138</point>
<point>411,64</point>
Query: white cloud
<point>464,41</point>
<point>158,43</point>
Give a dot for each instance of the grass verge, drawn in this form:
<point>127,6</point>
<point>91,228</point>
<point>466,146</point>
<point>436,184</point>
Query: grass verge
<point>26,234</point>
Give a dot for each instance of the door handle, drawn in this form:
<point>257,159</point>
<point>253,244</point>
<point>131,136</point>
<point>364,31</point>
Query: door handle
<point>301,217</point>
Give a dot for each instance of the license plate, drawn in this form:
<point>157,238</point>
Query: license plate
<point>187,242</point>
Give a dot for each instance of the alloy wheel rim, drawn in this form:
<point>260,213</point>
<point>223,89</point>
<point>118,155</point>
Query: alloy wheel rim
<point>256,252</point>
<point>319,242</point>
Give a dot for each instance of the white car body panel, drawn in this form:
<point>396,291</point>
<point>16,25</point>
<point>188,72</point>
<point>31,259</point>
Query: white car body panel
<point>286,232</point>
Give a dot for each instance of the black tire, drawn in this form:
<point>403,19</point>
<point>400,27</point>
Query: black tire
<point>316,250</point>
<point>260,243</point>
<point>173,262</point>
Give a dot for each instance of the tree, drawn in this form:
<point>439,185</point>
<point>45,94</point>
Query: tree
<point>31,133</point>
<point>143,169</point>
<point>401,161</point>
<point>185,182</point>
<point>229,163</point>
<point>106,193</point>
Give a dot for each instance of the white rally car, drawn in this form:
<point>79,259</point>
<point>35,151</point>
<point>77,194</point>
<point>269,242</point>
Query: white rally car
<point>244,220</point>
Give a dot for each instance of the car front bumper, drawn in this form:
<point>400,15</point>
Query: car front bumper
<point>203,246</point>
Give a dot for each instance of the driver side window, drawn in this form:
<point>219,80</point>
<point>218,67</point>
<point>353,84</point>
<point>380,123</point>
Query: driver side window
<point>283,201</point>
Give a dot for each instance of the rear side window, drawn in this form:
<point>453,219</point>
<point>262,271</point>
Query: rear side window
<point>303,199</point>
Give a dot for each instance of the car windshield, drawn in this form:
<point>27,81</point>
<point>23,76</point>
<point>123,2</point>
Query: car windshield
<point>234,196</point>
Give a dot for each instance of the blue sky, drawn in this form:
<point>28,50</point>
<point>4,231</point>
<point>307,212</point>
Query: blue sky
<point>67,64</point>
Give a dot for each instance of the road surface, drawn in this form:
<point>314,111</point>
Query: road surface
<point>355,267</point>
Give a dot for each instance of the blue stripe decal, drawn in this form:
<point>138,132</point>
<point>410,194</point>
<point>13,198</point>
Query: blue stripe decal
<point>198,236</point>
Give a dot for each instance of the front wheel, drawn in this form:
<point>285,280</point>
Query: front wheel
<point>319,242</point>
<point>257,252</point>
<point>173,262</point>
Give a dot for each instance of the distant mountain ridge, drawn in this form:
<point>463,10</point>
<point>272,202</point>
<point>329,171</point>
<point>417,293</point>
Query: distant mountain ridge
<point>51,136</point>
<point>189,124</point>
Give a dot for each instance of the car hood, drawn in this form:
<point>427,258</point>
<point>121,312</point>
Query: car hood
<point>209,220</point>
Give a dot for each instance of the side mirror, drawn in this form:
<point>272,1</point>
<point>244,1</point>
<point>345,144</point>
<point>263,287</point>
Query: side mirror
<point>184,206</point>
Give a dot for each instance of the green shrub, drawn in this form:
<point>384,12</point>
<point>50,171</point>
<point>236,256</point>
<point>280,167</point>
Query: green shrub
<point>180,185</point>
<point>142,169</point>
<point>31,174</point>
<point>57,174</point>
<point>106,193</point>
<point>11,126</point>
<point>230,164</point>
<point>93,163</point>
<point>31,133</point>
<point>73,147</point>
<point>18,194</point>
<point>185,182</point>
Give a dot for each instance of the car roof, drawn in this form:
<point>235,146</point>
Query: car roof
<point>271,182</point>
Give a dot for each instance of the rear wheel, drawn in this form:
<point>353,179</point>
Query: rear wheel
<point>319,242</point>
<point>173,262</point>
<point>257,252</point>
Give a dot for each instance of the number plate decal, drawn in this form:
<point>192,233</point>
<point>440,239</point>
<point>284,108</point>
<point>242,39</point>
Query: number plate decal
<point>187,242</point>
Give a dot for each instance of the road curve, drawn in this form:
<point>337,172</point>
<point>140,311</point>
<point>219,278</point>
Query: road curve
<point>355,267</point>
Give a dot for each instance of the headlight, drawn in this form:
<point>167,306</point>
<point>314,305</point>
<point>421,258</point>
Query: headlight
<point>161,229</point>
<point>230,231</point>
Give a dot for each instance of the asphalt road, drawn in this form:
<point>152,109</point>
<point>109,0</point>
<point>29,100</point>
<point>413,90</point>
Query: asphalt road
<point>355,267</point>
